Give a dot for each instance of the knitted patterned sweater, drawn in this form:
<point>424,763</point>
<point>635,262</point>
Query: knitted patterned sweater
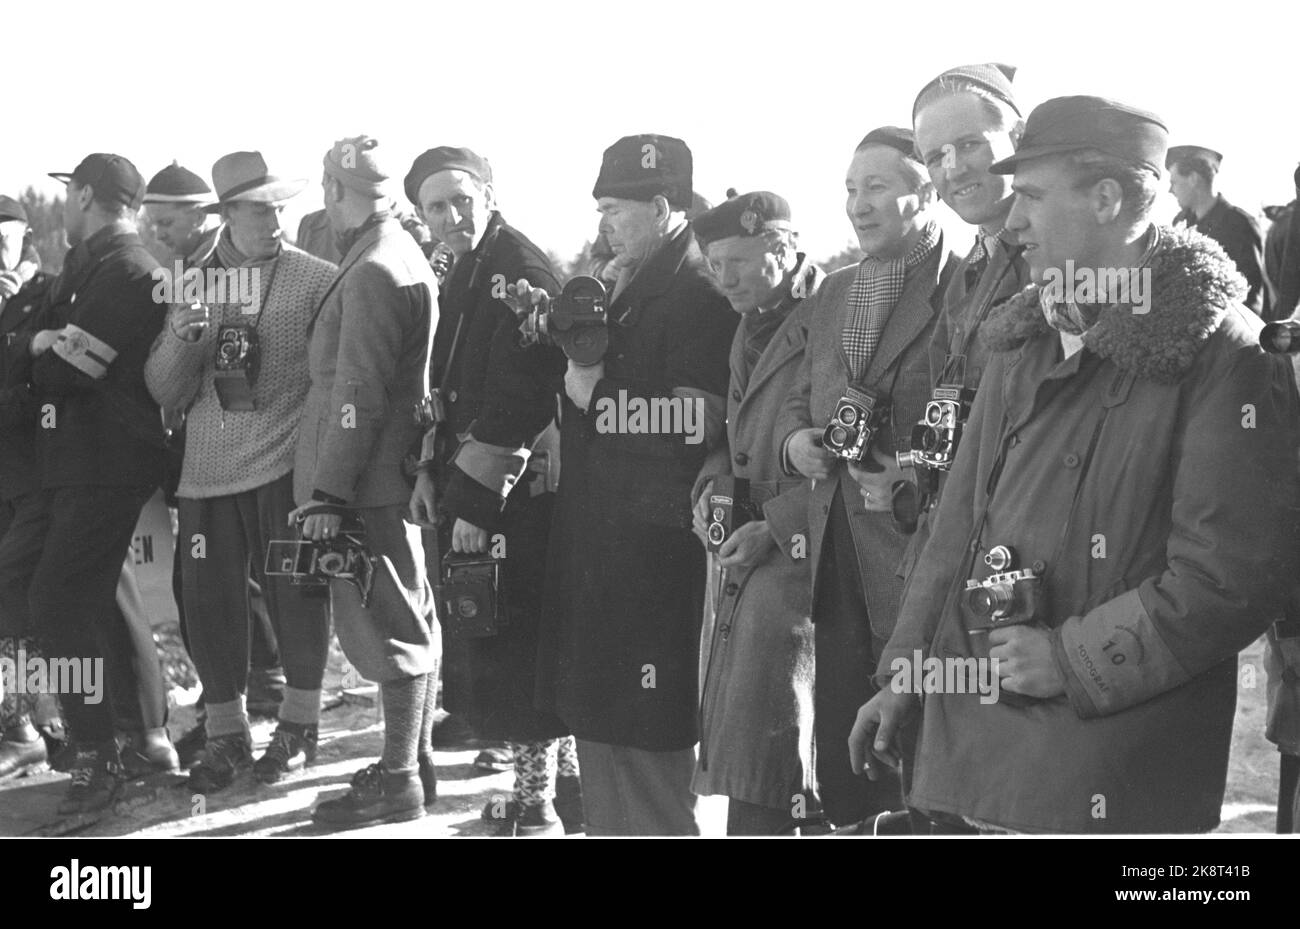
<point>229,452</point>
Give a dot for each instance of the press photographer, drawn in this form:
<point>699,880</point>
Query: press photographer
<point>487,472</point>
<point>368,356</point>
<point>240,373</point>
<point>863,382</point>
<point>619,642</point>
<point>1143,466</point>
<point>756,647</point>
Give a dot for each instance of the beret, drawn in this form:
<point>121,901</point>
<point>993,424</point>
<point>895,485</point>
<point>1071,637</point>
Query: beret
<point>444,158</point>
<point>745,215</point>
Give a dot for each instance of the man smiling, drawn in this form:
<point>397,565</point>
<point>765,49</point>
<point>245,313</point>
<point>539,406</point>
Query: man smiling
<point>869,327</point>
<point>1139,469</point>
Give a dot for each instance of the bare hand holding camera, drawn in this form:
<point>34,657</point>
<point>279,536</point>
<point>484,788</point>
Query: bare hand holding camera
<point>809,456</point>
<point>878,486</point>
<point>747,545</point>
<point>1024,661</point>
<point>467,538</point>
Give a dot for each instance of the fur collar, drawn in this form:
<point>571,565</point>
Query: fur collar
<point>1193,285</point>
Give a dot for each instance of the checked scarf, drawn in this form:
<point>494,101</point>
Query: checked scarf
<point>873,296</point>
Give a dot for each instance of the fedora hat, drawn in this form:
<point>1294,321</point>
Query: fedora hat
<point>243,177</point>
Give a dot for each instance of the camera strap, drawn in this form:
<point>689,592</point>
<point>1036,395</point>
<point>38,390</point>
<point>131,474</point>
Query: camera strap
<point>985,307</point>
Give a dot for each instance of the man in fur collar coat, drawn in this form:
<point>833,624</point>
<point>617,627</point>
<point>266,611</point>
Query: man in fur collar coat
<point>1135,451</point>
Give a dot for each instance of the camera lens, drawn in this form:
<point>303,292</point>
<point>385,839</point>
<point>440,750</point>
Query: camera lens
<point>847,415</point>
<point>719,514</point>
<point>989,601</point>
<point>466,607</point>
<point>840,436</point>
<point>930,440</point>
<point>933,413</point>
<point>331,563</point>
<point>717,533</point>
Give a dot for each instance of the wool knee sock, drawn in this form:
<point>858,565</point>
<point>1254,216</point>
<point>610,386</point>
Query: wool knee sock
<point>535,764</point>
<point>301,707</point>
<point>403,713</point>
<point>567,757</point>
<point>229,718</point>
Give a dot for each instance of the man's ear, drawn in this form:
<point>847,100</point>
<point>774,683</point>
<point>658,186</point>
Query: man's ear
<point>489,197</point>
<point>663,210</point>
<point>1107,200</point>
<point>85,196</point>
<point>333,190</point>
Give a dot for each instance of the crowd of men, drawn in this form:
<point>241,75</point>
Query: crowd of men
<point>938,544</point>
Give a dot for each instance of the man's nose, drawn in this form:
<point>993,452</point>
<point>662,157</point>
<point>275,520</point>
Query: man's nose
<point>1016,218</point>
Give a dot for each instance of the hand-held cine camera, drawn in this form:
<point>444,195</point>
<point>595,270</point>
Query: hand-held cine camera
<point>575,321</point>
<point>1281,337</point>
<point>1010,596</point>
<point>238,359</point>
<point>471,604</point>
<point>729,508</point>
<point>858,415</point>
<point>314,563</point>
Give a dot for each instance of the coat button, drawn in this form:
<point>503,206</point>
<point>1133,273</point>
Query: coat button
<point>1072,460</point>
<point>732,588</point>
<point>451,395</point>
<point>974,545</point>
<point>1039,566</point>
<point>735,395</point>
<point>1015,439</point>
<point>825,510</point>
<point>742,459</point>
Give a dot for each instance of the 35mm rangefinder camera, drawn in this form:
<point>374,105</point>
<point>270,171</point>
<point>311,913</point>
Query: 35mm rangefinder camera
<point>1009,596</point>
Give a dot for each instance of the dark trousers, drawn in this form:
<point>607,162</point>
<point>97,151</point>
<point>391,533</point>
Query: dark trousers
<point>846,658</point>
<point>139,690</point>
<point>62,556</point>
<point>233,531</point>
<point>264,652</point>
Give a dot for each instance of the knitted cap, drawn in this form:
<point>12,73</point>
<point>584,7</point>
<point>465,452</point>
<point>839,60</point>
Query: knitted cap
<point>355,163</point>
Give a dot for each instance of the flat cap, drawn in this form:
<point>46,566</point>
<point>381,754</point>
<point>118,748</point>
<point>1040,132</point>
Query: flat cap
<point>444,158</point>
<point>642,167</point>
<point>1071,124</point>
<point>746,215</point>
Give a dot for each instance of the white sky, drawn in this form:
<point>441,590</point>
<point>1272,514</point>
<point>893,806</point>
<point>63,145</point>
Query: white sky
<point>767,95</point>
